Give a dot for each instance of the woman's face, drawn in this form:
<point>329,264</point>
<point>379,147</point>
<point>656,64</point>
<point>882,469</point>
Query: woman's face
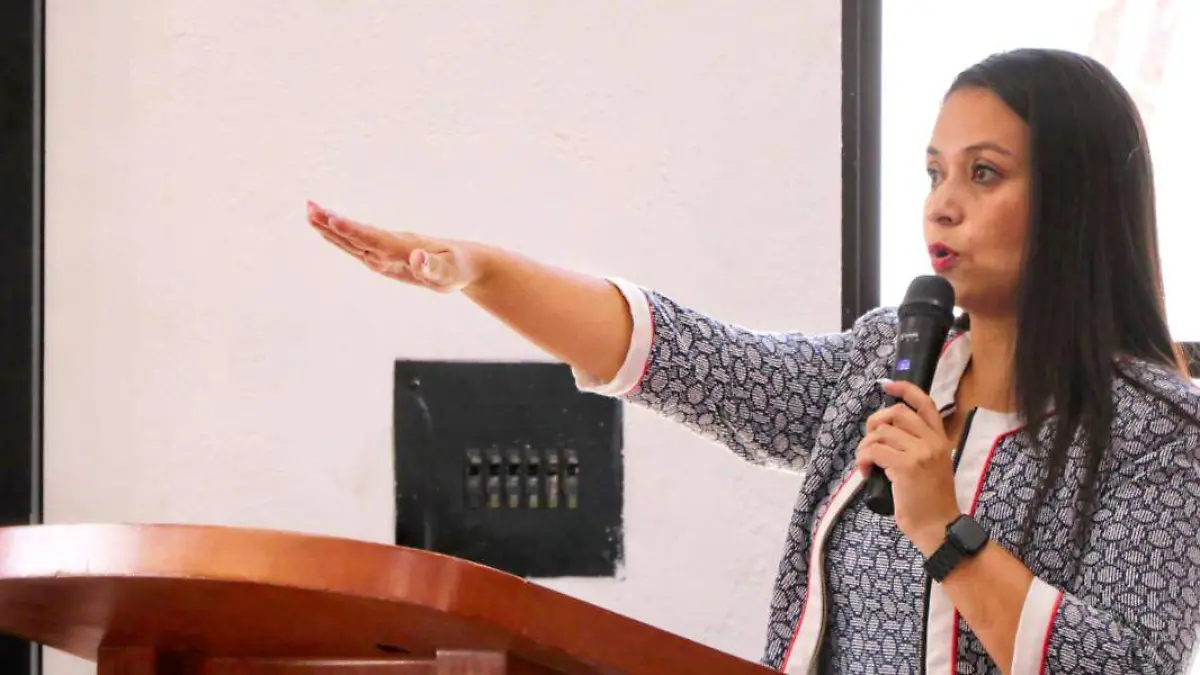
<point>977,211</point>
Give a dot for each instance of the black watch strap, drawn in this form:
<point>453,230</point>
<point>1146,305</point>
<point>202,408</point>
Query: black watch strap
<point>943,561</point>
<point>964,539</point>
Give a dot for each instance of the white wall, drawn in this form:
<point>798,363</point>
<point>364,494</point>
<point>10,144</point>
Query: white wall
<point>211,360</point>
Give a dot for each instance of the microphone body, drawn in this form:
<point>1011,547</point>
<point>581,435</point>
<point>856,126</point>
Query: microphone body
<point>926,316</point>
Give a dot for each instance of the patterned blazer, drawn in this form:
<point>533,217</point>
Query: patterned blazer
<point>850,593</point>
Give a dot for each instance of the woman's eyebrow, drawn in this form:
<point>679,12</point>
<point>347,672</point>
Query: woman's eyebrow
<point>975,147</point>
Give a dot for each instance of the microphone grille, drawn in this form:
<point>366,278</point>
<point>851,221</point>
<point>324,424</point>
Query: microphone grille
<point>930,290</point>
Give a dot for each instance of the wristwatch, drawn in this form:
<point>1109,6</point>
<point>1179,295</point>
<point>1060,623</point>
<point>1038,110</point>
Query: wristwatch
<point>964,538</point>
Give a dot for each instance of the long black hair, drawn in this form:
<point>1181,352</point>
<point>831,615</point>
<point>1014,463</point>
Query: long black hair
<point>1091,289</point>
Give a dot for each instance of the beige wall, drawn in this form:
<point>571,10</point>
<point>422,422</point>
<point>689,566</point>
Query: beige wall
<point>210,360</point>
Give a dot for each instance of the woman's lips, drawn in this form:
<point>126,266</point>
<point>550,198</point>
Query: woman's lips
<point>943,257</point>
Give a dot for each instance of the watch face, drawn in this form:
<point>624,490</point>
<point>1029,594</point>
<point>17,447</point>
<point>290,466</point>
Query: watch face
<point>968,534</point>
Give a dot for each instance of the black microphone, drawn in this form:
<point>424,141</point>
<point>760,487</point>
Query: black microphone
<point>926,316</point>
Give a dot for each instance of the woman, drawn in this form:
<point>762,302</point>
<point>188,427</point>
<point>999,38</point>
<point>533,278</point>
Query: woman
<point>1046,488</point>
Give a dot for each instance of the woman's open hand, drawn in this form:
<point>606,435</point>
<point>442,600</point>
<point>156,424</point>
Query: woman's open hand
<point>438,264</point>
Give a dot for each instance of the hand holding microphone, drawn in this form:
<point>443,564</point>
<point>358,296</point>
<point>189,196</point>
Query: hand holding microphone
<point>926,316</point>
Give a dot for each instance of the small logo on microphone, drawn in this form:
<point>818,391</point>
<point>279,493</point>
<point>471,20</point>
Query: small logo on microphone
<point>903,365</point>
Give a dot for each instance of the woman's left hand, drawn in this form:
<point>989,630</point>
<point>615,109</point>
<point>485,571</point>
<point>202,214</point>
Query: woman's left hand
<point>911,446</point>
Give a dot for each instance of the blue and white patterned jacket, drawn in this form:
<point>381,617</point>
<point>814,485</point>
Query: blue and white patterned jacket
<point>851,595</point>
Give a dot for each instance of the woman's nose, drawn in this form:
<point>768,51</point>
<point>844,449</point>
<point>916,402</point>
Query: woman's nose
<point>942,207</point>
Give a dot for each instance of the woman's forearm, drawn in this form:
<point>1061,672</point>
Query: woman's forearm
<point>989,592</point>
<point>580,319</point>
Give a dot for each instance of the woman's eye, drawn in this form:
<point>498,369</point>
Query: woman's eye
<point>933,175</point>
<point>982,173</point>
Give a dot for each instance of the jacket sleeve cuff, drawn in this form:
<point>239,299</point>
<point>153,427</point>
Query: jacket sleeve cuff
<point>1035,627</point>
<point>633,369</point>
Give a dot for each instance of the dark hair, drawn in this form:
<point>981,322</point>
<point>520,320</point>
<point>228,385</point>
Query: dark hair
<point>1090,289</point>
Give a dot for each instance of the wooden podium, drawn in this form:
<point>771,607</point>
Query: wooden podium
<point>197,600</point>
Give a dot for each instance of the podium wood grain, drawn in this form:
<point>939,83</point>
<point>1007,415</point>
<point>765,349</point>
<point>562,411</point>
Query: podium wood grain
<point>206,600</point>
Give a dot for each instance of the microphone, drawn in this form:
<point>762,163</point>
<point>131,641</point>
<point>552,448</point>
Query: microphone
<point>926,316</point>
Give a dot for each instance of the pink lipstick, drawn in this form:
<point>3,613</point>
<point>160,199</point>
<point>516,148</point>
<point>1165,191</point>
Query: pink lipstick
<point>943,257</point>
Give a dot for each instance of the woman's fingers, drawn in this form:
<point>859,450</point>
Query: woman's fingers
<point>363,236</point>
<point>341,243</point>
<point>317,216</point>
<point>403,256</point>
<point>391,268</point>
<point>358,235</point>
<point>360,240</point>
<point>917,400</point>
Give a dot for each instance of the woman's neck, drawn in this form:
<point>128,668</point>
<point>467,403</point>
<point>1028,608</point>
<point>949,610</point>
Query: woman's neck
<point>988,380</point>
